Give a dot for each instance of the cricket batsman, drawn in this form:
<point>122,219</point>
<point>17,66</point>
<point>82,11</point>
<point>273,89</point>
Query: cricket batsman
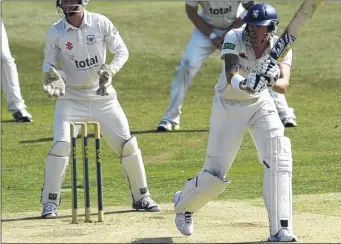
<point>211,24</point>
<point>84,93</point>
<point>242,102</point>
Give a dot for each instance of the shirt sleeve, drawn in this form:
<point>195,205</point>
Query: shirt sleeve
<point>51,50</point>
<point>231,44</point>
<point>288,58</point>
<point>116,45</point>
<point>193,3</point>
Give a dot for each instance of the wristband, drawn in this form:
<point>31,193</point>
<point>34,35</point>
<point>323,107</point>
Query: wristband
<point>236,80</point>
<point>212,35</point>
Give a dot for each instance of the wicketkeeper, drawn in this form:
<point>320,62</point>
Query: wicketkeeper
<point>84,93</point>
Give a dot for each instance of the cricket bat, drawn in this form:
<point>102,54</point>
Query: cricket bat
<point>302,17</point>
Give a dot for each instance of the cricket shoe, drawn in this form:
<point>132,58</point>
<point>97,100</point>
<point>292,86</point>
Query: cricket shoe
<point>283,235</point>
<point>166,125</point>
<point>183,221</point>
<point>49,211</point>
<point>146,204</point>
<point>22,116</point>
<point>289,122</point>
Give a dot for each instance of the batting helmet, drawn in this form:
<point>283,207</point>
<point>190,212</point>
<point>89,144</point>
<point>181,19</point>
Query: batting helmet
<point>262,14</point>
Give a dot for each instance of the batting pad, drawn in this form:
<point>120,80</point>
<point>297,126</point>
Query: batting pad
<point>134,169</point>
<point>55,168</point>
<point>199,191</point>
<point>277,188</point>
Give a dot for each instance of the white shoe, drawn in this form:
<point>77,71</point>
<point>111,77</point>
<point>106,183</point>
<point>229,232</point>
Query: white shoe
<point>283,235</point>
<point>49,211</point>
<point>166,125</point>
<point>146,204</point>
<point>289,122</point>
<point>183,221</point>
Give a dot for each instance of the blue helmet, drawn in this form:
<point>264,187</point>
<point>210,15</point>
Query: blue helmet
<point>262,14</point>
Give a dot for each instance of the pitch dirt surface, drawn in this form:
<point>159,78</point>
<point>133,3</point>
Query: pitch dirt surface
<point>316,219</point>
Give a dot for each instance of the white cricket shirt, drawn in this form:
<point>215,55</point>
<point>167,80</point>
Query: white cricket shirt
<point>82,50</point>
<point>219,14</point>
<point>233,43</point>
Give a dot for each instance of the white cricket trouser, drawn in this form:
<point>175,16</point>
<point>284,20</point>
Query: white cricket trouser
<point>229,122</point>
<point>9,76</point>
<point>111,117</point>
<point>114,129</point>
<point>283,109</point>
<point>198,49</point>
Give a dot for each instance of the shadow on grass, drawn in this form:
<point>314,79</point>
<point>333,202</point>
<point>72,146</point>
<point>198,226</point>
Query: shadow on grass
<point>9,121</point>
<point>170,240</point>
<point>154,240</point>
<point>49,139</point>
<point>67,216</point>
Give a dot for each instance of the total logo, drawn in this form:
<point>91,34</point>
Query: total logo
<point>217,11</point>
<point>87,63</point>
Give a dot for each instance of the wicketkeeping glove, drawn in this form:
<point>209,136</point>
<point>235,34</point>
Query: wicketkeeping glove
<point>105,79</point>
<point>53,83</point>
<point>255,83</point>
<point>270,70</point>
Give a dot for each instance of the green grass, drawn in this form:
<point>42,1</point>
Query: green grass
<point>156,34</point>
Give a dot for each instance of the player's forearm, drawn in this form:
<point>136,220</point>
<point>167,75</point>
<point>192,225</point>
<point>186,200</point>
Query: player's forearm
<point>121,54</point>
<point>281,86</point>
<point>236,24</point>
<point>120,59</point>
<point>231,67</point>
<point>49,61</point>
<point>282,83</point>
<point>192,13</point>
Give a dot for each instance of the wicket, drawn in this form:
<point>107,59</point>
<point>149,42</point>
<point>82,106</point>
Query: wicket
<point>86,178</point>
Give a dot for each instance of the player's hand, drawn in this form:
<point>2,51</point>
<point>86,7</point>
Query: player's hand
<point>218,42</point>
<point>53,83</point>
<point>270,70</point>
<point>105,79</point>
<point>255,83</point>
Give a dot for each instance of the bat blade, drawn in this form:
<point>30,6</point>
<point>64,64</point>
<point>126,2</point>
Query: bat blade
<point>301,19</point>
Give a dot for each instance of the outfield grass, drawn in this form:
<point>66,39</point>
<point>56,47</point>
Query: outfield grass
<point>156,34</point>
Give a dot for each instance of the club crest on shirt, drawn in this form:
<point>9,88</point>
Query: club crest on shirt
<point>114,30</point>
<point>90,39</point>
<point>69,46</point>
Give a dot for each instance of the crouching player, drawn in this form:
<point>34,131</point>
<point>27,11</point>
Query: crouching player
<point>84,93</point>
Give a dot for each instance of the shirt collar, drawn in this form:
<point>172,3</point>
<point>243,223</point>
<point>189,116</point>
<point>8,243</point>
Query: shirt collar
<point>86,21</point>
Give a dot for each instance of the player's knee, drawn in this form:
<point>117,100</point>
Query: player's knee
<point>130,147</point>
<point>188,64</point>
<point>214,165</point>
<point>60,149</point>
<point>278,155</point>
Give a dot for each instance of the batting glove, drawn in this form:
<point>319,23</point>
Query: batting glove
<point>255,83</point>
<point>269,69</point>
<point>53,83</point>
<point>105,78</point>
